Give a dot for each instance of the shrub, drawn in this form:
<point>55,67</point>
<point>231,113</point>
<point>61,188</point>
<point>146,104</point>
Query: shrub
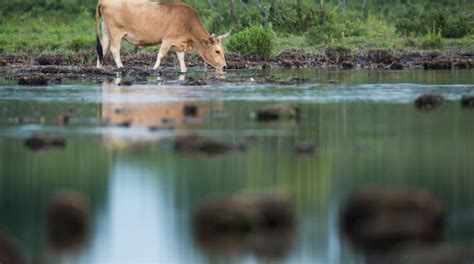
<point>433,39</point>
<point>255,40</point>
<point>325,33</point>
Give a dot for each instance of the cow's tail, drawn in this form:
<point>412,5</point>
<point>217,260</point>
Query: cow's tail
<point>98,45</point>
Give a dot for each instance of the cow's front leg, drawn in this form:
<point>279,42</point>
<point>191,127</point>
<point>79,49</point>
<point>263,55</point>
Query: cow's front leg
<point>115,50</point>
<point>182,64</point>
<point>161,54</point>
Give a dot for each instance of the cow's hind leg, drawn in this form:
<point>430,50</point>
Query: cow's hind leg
<point>115,50</point>
<point>105,43</point>
<point>182,64</point>
<point>161,54</point>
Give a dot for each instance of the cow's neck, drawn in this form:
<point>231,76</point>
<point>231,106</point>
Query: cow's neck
<point>200,35</point>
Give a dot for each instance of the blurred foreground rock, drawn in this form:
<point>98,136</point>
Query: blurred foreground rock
<point>429,102</point>
<point>262,225</point>
<point>201,145</point>
<point>378,220</point>
<point>43,142</point>
<point>467,101</point>
<point>68,221</point>
<point>278,111</point>
<point>9,253</point>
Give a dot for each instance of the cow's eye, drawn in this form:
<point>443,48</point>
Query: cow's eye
<point>218,51</point>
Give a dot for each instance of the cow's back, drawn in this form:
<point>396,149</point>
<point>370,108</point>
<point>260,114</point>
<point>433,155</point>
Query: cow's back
<point>147,23</point>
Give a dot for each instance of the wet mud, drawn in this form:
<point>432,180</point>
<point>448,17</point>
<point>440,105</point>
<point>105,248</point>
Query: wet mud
<point>44,69</point>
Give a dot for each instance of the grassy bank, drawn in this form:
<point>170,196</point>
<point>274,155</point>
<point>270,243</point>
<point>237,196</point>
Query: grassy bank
<point>319,27</point>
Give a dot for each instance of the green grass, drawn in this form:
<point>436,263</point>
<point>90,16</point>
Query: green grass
<point>56,33</point>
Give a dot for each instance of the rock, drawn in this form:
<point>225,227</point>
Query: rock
<point>396,66</point>
<point>63,120</point>
<point>68,221</point>
<point>201,145</point>
<point>33,80</point>
<point>437,65</point>
<point>277,111</point>
<point>259,224</point>
<point>347,65</point>
<point>467,101</point>
<point>464,64</point>
<point>125,83</point>
<point>3,63</point>
<point>305,149</point>
<point>42,142</point>
<point>9,253</point>
<point>380,56</point>
<point>429,101</point>
<point>378,220</point>
<point>190,110</point>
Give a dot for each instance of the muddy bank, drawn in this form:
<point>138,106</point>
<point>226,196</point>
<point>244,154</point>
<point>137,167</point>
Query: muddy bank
<point>82,65</point>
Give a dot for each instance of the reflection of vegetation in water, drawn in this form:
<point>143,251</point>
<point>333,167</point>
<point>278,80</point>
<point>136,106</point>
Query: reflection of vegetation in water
<point>28,179</point>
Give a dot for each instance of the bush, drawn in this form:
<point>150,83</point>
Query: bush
<point>326,33</point>
<point>451,23</point>
<point>433,39</point>
<point>255,40</point>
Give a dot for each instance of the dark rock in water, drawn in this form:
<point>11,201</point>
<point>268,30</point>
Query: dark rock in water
<point>42,142</point>
<point>378,220</point>
<point>305,149</point>
<point>266,66</point>
<point>125,83</point>
<point>467,101</point>
<point>429,101</point>
<point>338,55</point>
<point>33,80</point>
<point>9,253</point>
<point>263,225</point>
<point>396,66</point>
<point>347,65</point>
<point>3,63</point>
<point>125,124</point>
<point>194,82</point>
<point>238,214</point>
<point>380,56</point>
<point>68,221</point>
<point>277,111</point>
<point>201,145</point>
<point>63,120</point>
<point>190,110</point>
<point>437,65</point>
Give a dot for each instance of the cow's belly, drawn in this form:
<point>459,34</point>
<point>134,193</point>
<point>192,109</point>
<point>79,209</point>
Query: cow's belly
<point>139,41</point>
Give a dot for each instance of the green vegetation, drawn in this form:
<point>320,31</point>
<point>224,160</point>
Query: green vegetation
<point>259,27</point>
<point>255,40</point>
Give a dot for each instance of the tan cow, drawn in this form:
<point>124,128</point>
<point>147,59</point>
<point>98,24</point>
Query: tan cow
<point>144,23</point>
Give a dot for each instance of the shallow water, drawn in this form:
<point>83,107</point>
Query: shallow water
<point>143,194</point>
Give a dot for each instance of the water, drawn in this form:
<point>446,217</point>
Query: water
<point>143,194</point>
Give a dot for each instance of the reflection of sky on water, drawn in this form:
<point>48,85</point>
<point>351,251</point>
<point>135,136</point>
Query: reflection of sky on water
<point>139,223</point>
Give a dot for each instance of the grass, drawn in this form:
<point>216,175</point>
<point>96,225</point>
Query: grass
<point>57,33</point>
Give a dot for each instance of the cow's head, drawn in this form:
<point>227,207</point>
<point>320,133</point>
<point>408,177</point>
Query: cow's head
<point>213,51</point>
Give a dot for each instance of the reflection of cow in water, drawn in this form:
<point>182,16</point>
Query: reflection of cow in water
<point>125,111</point>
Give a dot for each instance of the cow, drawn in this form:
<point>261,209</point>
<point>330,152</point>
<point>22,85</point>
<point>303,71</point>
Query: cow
<point>144,23</point>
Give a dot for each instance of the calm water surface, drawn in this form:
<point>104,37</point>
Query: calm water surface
<point>143,194</point>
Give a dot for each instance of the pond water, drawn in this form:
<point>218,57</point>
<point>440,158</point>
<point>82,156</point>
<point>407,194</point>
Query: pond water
<point>143,194</point>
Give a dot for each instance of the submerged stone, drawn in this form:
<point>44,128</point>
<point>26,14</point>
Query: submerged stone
<point>380,220</point>
<point>190,110</point>
<point>429,101</point>
<point>42,142</point>
<point>33,80</point>
<point>467,101</point>
<point>396,66</point>
<point>68,221</point>
<point>9,253</point>
<point>277,111</point>
<point>202,145</point>
<point>259,224</point>
<point>305,149</point>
